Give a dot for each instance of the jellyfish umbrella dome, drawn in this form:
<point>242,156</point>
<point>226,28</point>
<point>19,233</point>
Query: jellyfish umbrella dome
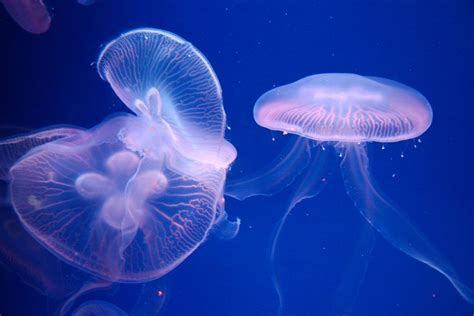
<point>131,198</point>
<point>345,108</point>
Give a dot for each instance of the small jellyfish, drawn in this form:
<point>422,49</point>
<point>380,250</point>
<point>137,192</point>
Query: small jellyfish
<point>345,111</point>
<point>98,308</point>
<point>148,301</point>
<point>31,15</point>
<point>131,198</point>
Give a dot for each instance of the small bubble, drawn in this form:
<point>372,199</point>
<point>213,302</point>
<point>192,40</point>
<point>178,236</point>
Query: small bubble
<point>285,133</point>
<point>273,139</point>
<point>340,155</point>
<point>402,155</point>
<point>228,128</point>
<point>419,140</point>
<point>383,147</point>
<point>394,175</point>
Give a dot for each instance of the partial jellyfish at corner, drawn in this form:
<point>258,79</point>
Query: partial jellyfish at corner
<point>21,254</point>
<point>30,15</point>
<point>131,198</point>
<point>33,15</point>
<point>345,111</point>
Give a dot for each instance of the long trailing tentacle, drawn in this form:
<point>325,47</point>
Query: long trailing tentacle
<point>310,185</point>
<point>380,212</point>
<point>278,175</point>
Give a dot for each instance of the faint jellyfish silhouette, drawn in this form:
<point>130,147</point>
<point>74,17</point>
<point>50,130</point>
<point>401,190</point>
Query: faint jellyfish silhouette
<point>133,197</point>
<point>86,2</point>
<point>31,15</point>
<point>345,111</point>
<point>149,301</point>
<point>98,308</point>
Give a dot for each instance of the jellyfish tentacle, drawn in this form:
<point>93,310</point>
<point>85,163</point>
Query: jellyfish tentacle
<point>282,172</point>
<point>353,277</point>
<point>388,221</point>
<point>310,186</point>
<point>129,224</point>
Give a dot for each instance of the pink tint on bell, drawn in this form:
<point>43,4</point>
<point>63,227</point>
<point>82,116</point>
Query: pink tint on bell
<point>345,108</point>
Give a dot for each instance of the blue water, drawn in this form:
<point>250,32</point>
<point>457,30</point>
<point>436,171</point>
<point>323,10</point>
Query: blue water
<point>254,46</point>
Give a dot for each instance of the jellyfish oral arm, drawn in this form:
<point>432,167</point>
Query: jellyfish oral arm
<point>308,187</point>
<point>279,175</point>
<point>387,220</point>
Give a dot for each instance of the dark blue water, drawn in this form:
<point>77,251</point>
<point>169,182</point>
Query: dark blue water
<point>254,46</point>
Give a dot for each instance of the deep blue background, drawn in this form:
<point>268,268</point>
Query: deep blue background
<point>254,46</point>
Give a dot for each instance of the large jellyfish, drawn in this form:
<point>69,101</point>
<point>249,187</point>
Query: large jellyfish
<point>131,198</point>
<point>346,111</point>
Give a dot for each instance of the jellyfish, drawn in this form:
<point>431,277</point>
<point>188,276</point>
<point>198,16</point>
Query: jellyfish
<point>31,15</point>
<point>98,308</point>
<point>345,112</point>
<point>149,300</point>
<point>131,198</point>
